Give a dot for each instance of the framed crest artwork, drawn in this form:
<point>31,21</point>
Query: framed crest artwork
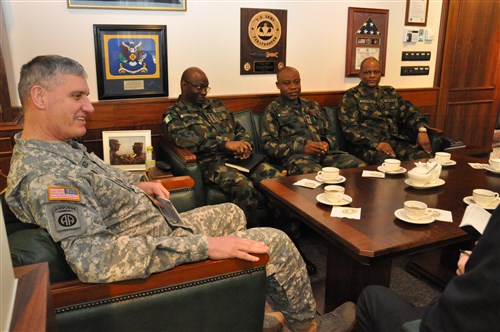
<point>131,61</point>
<point>366,37</point>
<point>126,149</point>
<point>130,4</point>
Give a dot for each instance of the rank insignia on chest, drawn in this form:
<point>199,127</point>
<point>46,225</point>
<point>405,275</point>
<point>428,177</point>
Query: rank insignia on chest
<point>212,118</point>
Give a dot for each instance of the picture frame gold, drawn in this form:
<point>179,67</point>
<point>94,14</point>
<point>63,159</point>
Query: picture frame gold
<point>124,157</point>
<point>416,12</point>
<point>367,31</point>
<point>179,5</point>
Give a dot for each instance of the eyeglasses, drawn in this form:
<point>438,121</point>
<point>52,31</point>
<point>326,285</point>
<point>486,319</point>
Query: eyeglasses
<point>288,83</point>
<point>199,86</point>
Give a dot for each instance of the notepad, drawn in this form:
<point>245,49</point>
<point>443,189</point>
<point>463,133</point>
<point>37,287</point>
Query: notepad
<point>246,165</point>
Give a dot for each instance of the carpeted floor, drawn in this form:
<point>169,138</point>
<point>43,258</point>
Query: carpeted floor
<point>417,291</point>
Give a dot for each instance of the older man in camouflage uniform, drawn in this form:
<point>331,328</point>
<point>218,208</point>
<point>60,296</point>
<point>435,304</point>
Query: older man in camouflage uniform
<point>108,223</point>
<point>379,123</point>
<point>209,130</point>
<point>296,133</point>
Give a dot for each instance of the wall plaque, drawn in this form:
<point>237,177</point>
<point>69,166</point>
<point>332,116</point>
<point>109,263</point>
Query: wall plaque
<point>366,37</point>
<point>263,41</point>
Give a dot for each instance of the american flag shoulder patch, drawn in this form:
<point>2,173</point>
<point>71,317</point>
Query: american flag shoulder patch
<point>64,194</point>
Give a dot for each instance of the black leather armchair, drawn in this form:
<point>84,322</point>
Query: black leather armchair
<point>213,295</point>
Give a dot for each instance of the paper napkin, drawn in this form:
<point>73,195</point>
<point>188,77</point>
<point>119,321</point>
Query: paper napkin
<point>307,183</point>
<point>346,212</point>
<point>373,174</point>
<point>478,165</point>
<point>442,215</point>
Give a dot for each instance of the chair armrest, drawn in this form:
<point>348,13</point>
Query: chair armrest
<point>187,157</point>
<point>73,292</point>
<point>176,183</point>
<point>435,131</point>
<point>412,326</point>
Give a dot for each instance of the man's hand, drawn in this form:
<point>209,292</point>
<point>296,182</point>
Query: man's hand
<point>241,148</point>
<point>424,142</point>
<point>317,148</point>
<point>386,148</point>
<point>464,257</point>
<point>235,247</point>
<point>154,189</point>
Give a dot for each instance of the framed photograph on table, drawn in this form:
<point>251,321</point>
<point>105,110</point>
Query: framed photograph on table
<point>131,61</point>
<point>416,12</point>
<point>367,31</point>
<point>126,149</point>
<point>130,4</point>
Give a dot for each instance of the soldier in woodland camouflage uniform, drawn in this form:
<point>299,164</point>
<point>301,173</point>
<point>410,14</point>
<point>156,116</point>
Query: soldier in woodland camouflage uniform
<point>379,123</point>
<point>209,130</point>
<point>108,222</point>
<point>296,133</point>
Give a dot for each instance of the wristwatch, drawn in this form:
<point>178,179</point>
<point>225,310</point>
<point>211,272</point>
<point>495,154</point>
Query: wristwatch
<point>422,130</point>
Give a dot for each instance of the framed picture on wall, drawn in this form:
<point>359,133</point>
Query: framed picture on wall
<point>131,61</point>
<point>366,37</point>
<point>416,12</point>
<point>130,4</point>
<point>126,149</point>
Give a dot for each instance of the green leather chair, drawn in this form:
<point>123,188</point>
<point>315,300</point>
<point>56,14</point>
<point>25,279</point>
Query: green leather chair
<point>213,295</point>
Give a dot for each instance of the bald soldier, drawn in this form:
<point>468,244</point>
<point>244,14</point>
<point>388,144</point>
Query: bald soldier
<point>378,123</point>
<point>296,132</point>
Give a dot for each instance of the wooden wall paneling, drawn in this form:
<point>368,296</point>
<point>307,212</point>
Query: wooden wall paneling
<point>470,72</point>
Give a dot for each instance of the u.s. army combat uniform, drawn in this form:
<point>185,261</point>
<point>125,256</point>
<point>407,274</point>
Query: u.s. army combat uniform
<point>204,130</point>
<point>286,129</point>
<point>111,230</point>
<point>381,115</point>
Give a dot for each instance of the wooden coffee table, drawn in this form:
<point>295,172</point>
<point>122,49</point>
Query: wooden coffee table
<point>360,252</point>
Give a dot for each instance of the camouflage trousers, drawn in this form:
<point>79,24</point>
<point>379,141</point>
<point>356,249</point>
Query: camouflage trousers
<point>242,190</point>
<point>303,163</point>
<point>404,151</point>
<point>288,287</point>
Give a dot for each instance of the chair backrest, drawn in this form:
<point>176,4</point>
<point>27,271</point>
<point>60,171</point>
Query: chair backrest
<point>248,120</point>
<point>332,113</point>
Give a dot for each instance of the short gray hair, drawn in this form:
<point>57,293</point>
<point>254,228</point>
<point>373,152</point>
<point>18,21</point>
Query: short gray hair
<point>43,69</point>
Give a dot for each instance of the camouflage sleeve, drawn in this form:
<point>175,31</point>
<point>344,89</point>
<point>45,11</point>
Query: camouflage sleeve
<point>190,132</point>
<point>276,146</point>
<point>73,218</point>
<point>240,133</point>
<point>410,115</point>
<point>349,117</point>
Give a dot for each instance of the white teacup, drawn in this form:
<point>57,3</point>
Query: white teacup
<point>416,210</point>
<point>484,197</point>
<point>329,173</point>
<point>442,157</point>
<point>334,193</point>
<point>391,164</point>
<point>495,163</point>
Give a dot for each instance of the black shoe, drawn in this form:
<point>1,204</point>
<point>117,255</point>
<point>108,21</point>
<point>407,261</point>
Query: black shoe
<point>310,267</point>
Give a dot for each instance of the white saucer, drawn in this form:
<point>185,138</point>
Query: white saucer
<point>339,179</point>
<point>439,183</point>
<point>491,169</point>
<point>401,170</point>
<point>345,200</point>
<point>446,164</point>
<point>401,215</point>
<point>469,200</point>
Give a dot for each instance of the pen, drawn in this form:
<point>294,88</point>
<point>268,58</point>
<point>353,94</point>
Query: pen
<point>464,252</point>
